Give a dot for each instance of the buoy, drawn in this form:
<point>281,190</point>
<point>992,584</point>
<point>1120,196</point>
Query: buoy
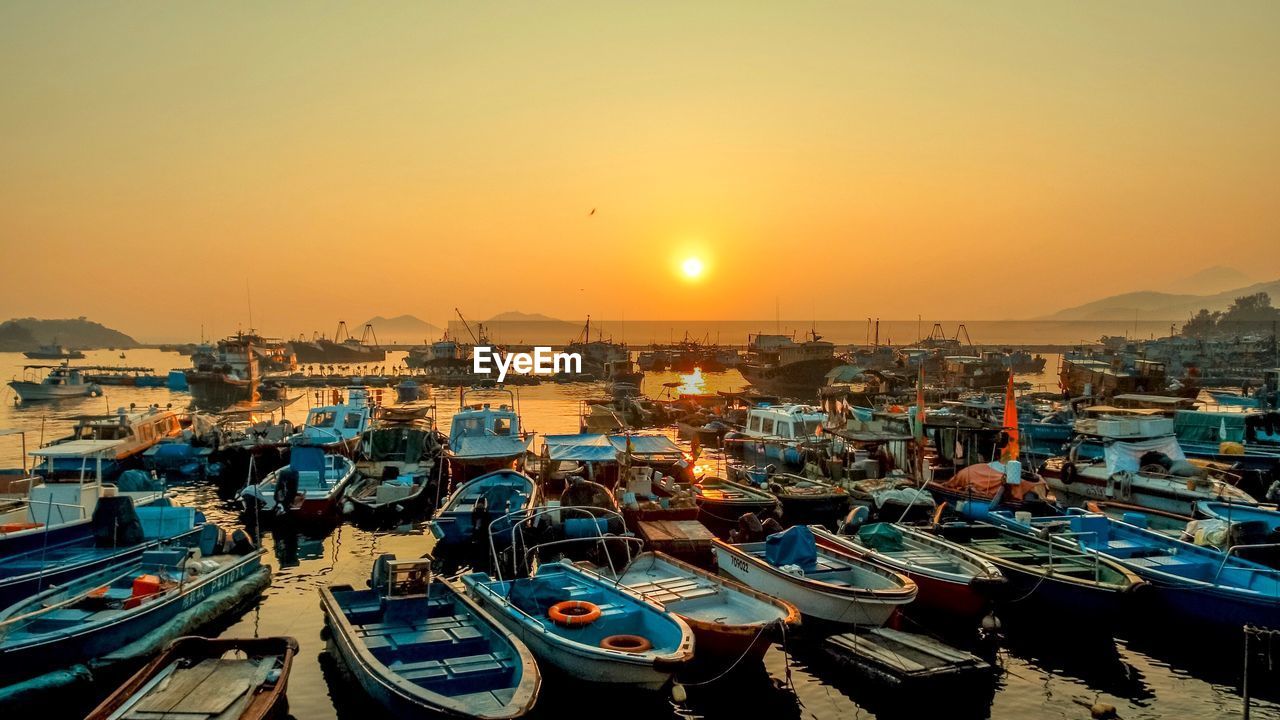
<point>678,693</point>
<point>574,613</point>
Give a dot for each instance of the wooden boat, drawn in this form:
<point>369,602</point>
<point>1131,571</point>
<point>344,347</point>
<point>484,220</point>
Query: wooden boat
<point>724,501</point>
<point>623,639</point>
<point>835,587</point>
<point>903,660</point>
<point>118,533</point>
<point>96,614</point>
<point>476,505</point>
<point>318,480</point>
<point>809,502</point>
<point>1074,586</point>
<point>398,463</point>
<point>198,678</point>
<point>728,620</point>
<point>419,646</point>
<point>951,579</point>
<point>1202,583</point>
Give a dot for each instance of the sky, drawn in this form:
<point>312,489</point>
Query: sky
<point>163,164</point>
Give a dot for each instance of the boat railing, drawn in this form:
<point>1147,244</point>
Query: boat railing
<point>520,519</point>
<point>1226,557</point>
<point>1085,551</point>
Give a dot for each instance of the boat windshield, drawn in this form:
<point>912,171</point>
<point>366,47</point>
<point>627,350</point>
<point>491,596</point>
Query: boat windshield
<point>323,419</point>
<point>809,427</point>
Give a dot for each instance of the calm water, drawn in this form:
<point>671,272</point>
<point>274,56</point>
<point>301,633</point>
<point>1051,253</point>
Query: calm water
<point>1048,671</point>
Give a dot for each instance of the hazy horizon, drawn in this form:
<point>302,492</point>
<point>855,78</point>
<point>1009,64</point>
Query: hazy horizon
<point>164,161</point>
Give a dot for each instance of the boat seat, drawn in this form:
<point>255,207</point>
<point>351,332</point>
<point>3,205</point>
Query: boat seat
<point>65,615</point>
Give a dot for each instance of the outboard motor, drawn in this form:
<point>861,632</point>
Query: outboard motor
<point>286,489</point>
<point>116,523</point>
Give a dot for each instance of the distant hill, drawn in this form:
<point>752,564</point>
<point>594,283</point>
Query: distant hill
<point>1150,305</point>
<point>403,330</point>
<point>1212,280</point>
<point>30,333</point>
<point>516,316</point>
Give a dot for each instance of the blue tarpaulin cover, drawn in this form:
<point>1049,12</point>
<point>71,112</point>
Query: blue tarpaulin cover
<point>580,448</point>
<point>793,546</point>
<point>495,446</point>
<point>647,445</point>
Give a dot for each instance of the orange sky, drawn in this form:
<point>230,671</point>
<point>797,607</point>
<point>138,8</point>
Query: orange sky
<point>854,159</point>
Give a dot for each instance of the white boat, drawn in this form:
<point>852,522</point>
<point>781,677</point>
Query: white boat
<point>835,587</point>
<point>338,427</point>
<point>1137,460</point>
<point>58,381</point>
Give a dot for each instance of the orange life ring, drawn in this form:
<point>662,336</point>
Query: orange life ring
<point>627,643</point>
<point>574,613</point>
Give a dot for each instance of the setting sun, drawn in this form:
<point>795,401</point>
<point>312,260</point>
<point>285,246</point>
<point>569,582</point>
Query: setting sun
<point>692,267</point>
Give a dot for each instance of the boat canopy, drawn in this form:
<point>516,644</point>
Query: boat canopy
<point>580,448</point>
<point>647,446</point>
<point>492,446</point>
<point>1209,427</point>
<point>77,448</point>
<point>1126,455</point>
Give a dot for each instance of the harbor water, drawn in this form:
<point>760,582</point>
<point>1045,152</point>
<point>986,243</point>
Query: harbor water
<point>1049,668</point>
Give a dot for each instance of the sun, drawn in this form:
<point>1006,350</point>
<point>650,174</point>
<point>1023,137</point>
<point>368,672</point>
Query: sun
<point>692,267</point>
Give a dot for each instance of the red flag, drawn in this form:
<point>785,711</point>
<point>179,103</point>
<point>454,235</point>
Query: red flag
<point>1012,449</point>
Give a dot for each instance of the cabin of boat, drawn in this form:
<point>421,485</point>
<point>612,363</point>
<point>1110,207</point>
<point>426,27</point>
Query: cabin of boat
<point>341,423</point>
<point>484,438</point>
<point>119,439</point>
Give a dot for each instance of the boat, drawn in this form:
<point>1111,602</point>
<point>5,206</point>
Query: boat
<point>54,352</point>
<point>310,487</point>
<point>986,483</point>
<point>729,620</point>
<point>120,440</point>
<point>778,364</point>
<point>418,646</point>
<point>1069,584</point>
<point>52,382</point>
<point>722,502</point>
<point>1189,581</point>
<point>225,374</point>
<point>1137,460</point>
<point>808,502</point>
<point>199,678</point>
<point>124,376</point>
<point>343,349</point>
<point>589,628</point>
<point>1167,523</point>
<point>952,580</point>
<point>117,532</point>
<point>401,469</point>
<point>483,438</point>
<point>1253,531</point>
<point>94,615</point>
<point>823,583</point>
<point>487,505</point>
<point>777,434</point>
<point>338,427</point>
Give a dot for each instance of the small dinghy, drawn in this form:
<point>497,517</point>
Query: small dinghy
<point>723,501</point>
<point>588,627</point>
<point>728,620</point>
<point>400,470</point>
<point>198,678</point>
<point>823,583</point>
<point>488,505</point>
<point>1070,584</point>
<point>809,502</point>
<point>419,646</point>
<point>952,580</point>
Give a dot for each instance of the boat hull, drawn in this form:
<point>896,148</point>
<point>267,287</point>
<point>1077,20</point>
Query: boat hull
<point>27,391</point>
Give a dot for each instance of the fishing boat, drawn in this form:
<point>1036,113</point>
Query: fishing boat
<point>119,439</point>
<point>485,506</point>
<point>483,438</point>
<point>587,627</point>
<point>400,468</point>
<point>951,579</point>
<point>777,434</point>
<point>1137,461</point>
<point>1190,581</point>
<point>339,426</point>
<point>225,374</point>
<point>823,583</point>
<point>1253,531</point>
<point>96,614</point>
<point>199,678</point>
<point>722,502</point>
<point>1074,586</point>
<point>310,487</point>
<point>143,377</point>
<point>343,349</point>
<point>808,502</point>
<point>52,382</point>
<point>419,646</point>
<point>1166,523</point>
<point>118,532</point>
<point>728,620</point>
<point>778,364</point>
<point>53,352</point>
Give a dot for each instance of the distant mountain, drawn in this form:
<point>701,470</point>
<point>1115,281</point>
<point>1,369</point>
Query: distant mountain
<point>1150,305</point>
<point>30,333</point>
<point>403,330</point>
<point>1212,280</point>
<point>516,316</point>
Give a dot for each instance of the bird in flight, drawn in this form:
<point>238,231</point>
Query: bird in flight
<point>593,212</point>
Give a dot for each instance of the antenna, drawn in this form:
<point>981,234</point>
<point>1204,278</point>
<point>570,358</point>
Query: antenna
<point>248,291</point>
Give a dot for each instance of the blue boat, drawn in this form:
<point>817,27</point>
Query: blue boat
<point>118,533</point>
<point>1254,532</point>
<point>484,438</point>
<point>491,502</point>
<point>1268,518</point>
<point>587,627</point>
<point>1208,585</point>
<point>419,646</point>
<point>100,613</point>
